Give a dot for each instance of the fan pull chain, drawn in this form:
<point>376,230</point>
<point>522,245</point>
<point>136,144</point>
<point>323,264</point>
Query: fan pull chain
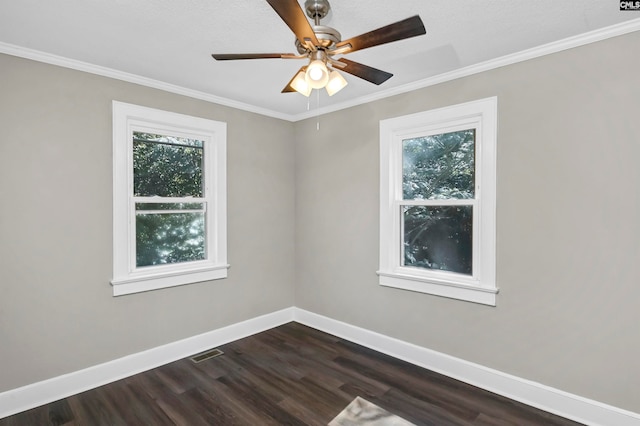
<point>317,110</point>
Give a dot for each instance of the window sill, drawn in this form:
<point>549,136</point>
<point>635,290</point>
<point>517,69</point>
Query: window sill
<point>450,289</point>
<point>155,281</point>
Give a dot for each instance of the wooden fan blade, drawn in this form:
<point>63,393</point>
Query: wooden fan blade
<point>288,88</point>
<point>234,56</point>
<point>293,15</point>
<point>400,30</point>
<point>365,72</point>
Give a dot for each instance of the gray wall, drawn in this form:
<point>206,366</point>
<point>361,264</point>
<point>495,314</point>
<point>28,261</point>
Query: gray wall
<point>568,204</point>
<point>568,233</point>
<point>57,312</point>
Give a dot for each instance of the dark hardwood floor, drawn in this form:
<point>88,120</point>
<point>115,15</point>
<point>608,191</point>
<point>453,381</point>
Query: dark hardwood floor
<point>290,375</point>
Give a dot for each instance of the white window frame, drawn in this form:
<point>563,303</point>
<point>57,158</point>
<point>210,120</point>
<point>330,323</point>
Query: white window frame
<point>127,278</point>
<point>480,286</point>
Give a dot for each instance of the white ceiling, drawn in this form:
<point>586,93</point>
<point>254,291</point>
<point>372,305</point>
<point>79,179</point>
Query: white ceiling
<point>171,41</point>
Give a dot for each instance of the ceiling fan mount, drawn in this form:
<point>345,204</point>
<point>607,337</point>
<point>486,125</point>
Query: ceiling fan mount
<point>319,44</point>
<point>317,9</point>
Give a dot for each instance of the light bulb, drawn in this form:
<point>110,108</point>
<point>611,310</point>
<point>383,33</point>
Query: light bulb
<point>317,74</point>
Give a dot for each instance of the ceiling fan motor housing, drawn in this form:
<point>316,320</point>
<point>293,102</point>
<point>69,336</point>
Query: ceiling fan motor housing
<point>327,37</point>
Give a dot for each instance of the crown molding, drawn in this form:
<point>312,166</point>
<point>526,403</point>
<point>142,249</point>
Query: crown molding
<point>61,61</point>
<point>525,55</point>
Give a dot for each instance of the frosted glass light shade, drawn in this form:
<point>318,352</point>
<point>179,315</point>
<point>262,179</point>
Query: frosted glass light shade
<point>336,83</point>
<point>317,74</point>
<point>299,83</point>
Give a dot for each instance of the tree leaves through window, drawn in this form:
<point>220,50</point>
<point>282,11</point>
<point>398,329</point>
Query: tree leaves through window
<point>439,167</point>
<point>168,230</point>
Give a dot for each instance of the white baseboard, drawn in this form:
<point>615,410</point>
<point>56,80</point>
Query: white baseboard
<point>546,398</point>
<point>36,394</point>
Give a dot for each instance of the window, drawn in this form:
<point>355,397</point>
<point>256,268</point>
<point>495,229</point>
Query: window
<point>437,202</point>
<point>169,205</point>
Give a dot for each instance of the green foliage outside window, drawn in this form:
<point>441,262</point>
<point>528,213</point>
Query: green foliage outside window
<point>166,166</point>
<point>168,231</point>
<point>439,167</point>
<point>169,238</point>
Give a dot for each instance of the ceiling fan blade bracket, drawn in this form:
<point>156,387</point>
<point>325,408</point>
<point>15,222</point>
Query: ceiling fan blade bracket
<point>292,56</point>
<point>308,44</point>
<point>341,50</point>
<point>337,63</point>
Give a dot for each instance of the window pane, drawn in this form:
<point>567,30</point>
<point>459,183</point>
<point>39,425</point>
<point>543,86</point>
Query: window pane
<point>170,206</point>
<point>439,166</point>
<point>169,238</point>
<point>438,237</point>
<point>166,166</point>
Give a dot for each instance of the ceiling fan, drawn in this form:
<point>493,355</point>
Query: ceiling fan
<point>319,44</point>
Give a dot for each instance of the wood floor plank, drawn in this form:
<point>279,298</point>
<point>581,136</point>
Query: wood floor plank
<point>309,415</point>
<point>289,375</point>
<point>176,375</point>
<point>135,406</point>
<point>422,410</point>
<point>410,385</point>
<point>236,410</point>
<point>60,413</point>
<point>93,407</point>
<point>180,409</point>
<point>215,410</point>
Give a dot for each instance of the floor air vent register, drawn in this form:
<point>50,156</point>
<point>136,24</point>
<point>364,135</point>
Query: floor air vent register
<point>203,356</point>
